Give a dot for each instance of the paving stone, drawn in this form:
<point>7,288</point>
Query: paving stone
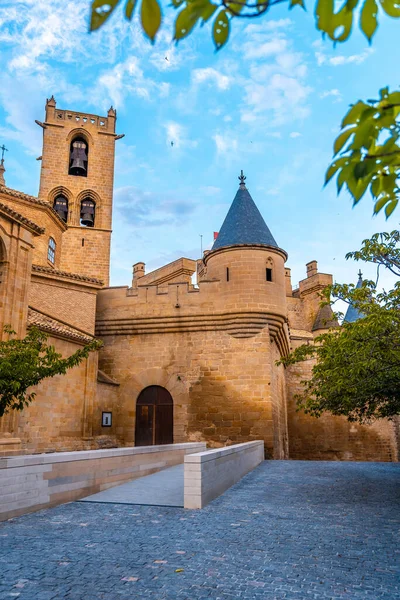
<point>303,531</point>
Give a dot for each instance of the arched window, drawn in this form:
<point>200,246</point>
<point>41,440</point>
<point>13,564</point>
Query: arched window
<point>51,251</point>
<point>60,205</point>
<point>78,157</point>
<point>88,209</point>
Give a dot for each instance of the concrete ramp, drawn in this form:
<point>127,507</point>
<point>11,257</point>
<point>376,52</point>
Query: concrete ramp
<point>164,488</point>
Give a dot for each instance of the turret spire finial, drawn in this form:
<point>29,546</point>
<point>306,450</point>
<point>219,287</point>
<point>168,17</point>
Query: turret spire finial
<point>360,274</point>
<point>242,179</point>
<point>2,167</point>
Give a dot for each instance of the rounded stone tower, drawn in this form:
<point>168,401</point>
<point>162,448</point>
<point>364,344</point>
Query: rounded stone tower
<point>248,262</point>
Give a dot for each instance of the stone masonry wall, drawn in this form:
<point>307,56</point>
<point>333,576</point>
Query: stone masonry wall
<point>60,416</point>
<point>220,385</point>
<point>68,301</point>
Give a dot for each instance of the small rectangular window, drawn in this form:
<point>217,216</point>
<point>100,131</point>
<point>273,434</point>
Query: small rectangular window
<point>51,251</point>
<point>268,274</point>
<point>227,273</point>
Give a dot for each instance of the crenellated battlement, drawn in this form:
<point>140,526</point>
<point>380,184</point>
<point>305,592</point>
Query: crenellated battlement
<point>71,118</point>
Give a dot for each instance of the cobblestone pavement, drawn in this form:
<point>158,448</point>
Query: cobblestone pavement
<point>291,530</point>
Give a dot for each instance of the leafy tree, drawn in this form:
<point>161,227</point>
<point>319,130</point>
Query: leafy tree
<point>357,373</point>
<point>336,22</point>
<point>25,363</point>
<point>367,151</point>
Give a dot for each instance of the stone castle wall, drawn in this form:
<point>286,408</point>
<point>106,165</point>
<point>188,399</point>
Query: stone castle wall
<point>42,216</point>
<point>60,416</point>
<point>220,385</point>
<point>69,301</point>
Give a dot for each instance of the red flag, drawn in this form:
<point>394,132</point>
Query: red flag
<point>215,235</point>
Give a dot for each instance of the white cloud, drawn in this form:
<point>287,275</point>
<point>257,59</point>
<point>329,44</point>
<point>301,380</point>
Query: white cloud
<point>210,190</point>
<point>339,59</point>
<point>269,25</point>
<point>269,48</point>
<point>334,93</point>
<point>210,75</point>
<point>295,134</point>
<point>225,143</point>
<point>177,137</point>
<point>276,82</point>
<point>127,78</point>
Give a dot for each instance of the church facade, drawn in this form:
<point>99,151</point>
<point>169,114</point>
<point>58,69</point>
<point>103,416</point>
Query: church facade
<point>180,361</point>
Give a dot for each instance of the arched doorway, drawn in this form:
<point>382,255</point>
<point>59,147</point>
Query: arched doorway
<point>154,417</point>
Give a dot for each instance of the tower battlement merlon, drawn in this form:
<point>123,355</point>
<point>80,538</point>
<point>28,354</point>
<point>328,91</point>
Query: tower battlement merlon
<point>56,116</point>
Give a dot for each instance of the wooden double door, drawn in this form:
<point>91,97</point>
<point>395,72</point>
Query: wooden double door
<point>154,417</point>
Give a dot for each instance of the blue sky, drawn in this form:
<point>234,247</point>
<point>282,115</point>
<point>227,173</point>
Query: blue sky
<point>270,103</point>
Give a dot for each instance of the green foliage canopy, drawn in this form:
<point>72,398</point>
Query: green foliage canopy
<point>357,373</point>
<point>26,362</point>
<point>367,151</point>
<point>333,20</point>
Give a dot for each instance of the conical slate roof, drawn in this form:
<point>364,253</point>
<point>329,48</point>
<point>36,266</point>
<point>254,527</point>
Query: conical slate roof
<point>244,224</point>
<point>352,313</point>
<point>325,319</point>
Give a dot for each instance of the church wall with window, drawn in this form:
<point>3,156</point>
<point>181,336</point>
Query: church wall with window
<point>42,214</point>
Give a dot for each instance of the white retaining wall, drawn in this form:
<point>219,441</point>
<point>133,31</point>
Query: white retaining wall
<point>32,482</point>
<point>209,474</point>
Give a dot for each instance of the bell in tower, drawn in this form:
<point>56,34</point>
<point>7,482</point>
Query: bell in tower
<point>78,158</point>
<point>61,207</point>
<point>87,213</point>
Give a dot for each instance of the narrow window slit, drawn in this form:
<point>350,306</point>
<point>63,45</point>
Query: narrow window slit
<point>227,273</point>
<point>268,274</point>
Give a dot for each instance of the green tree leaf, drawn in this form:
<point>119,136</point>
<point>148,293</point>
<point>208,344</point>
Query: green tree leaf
<point>324,12</point>
<point>391,7</point>
<point>334,167</point>
<point>354,113</point>
<point>150,16</point>
<point>380,204</point>
<point>185,22</point>
<point>342,139</point>
<point>368,18</point>
<point>210,9</point>
<point>390,208</point>
<point>294,3</point>
<point>101,10</point>
<point>221,29</point>
<point>129,8</point>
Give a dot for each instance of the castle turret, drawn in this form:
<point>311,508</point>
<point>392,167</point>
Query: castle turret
<point>246,259</point>
<point>352,313</point>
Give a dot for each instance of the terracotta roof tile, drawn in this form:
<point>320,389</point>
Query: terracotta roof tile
<point>76,276</point>
<point>52,325</point>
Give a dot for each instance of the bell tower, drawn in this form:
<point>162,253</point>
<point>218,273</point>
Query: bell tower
<point>77,179</point>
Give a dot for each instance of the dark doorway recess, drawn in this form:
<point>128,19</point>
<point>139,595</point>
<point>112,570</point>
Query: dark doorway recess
<point>154,417</point>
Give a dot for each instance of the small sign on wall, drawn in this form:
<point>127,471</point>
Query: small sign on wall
<point>106,419</point>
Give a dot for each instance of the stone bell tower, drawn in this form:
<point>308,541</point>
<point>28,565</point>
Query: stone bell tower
<point>77,178</point>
